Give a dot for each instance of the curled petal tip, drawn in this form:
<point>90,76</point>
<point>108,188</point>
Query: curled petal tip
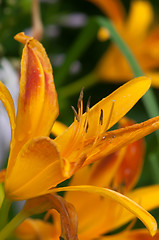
<point>153,229</point>
<point>22,38</point>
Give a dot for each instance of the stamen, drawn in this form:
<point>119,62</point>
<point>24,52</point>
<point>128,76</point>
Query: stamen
<point>110,115</point>
<point>80,103</point>
<point>86,125</point>
<point>88,103</point>
<point>101,117</point>
<point>75,113</point>
<point>80,97</point>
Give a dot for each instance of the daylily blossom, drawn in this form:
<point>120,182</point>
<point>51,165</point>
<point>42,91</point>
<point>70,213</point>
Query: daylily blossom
<point>141,37</point>
<point>36,162</point>
<point>96,215</point>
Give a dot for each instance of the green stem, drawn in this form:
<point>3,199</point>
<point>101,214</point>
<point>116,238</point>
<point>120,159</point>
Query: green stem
<point>12,225</point>
<point>4,212</point>
<point>149,100</point>
<point>75,87</point>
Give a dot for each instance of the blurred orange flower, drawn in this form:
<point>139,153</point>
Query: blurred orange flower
<point>141,37</point>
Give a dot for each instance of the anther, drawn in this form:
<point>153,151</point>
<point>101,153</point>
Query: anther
<point>80,98</point>
<point>110,115</point>
<point>75,113</point>
<point>86,125</point>
<point>88,103</point>
<point>101,117</point>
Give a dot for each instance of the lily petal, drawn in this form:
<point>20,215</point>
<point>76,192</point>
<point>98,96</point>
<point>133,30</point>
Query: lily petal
<point>38,105</point>
<point>66,210</point>
<point>58,128</point>
<point>32,229</point>
<point>114,9</point>
<point>155,77</point>
<point>130,205</point>
<point>7,100</point>
<point>147,197</point>
<point>114,140</point>
<point>123,99</point>
<point>131,165</point>
<point>137,22</point>
<point>102,172</point>
<point>36,170</point>
<point>140,234</point>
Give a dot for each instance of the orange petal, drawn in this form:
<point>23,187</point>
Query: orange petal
<point>38,105</point>
<point>140,234</point>
<point>114,140</point>
<point>130,205</point>
<point>7,100</point>
<point>131,165</point>
<point>102,172</point>
<point>37,168</point>
<point>114,9</point>
<point>32,229</point>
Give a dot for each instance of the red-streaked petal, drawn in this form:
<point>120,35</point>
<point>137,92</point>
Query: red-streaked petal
<point>38,105</point>
<point>131,165</point>
<point>102,172</point>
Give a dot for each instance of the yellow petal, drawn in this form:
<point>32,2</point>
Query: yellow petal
<point>154,75</point>
<point>139,234</point>
<point>124,98</point>
<point>130,205</point>
<point>38,105</point>
<point>139,23</point>
<point>58,128</point>
<point>7,100</point>
<point>37,169</point>
<point>147,197</point>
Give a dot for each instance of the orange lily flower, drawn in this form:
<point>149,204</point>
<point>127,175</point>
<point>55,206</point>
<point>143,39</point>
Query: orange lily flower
<point>135,30</point>
<point>37,163</point>
<point>96,215</point>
